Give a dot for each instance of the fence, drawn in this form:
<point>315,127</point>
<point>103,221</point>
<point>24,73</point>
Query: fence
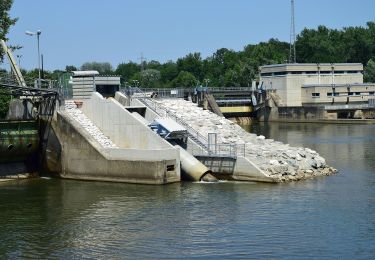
<point>206,146</point>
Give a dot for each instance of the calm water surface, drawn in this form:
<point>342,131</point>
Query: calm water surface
<point>326,218</point>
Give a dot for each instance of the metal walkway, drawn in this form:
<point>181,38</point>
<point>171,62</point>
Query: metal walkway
<point>206,148</point>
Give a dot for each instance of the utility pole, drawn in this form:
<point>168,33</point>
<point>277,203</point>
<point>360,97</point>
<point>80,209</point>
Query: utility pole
<point>292,46</point>
<point>142,62</point>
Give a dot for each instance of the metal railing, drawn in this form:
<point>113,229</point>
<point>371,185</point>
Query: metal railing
<point>222,150</point>
<point>204,147</point>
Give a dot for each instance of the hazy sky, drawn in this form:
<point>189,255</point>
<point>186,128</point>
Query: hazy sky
<point>77,31</point>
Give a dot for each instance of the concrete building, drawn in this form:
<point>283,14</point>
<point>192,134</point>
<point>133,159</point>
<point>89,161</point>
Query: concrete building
<point>84,83</point>
<point>312,84</point>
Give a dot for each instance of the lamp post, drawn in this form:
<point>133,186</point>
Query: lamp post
<point>37,33</point>
<point>19,59</point>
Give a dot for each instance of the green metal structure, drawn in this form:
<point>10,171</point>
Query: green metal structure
<point>19,140</point>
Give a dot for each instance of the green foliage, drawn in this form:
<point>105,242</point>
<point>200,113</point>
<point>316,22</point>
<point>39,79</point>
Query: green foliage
<point>369,75</point>
<point>191,63</point>
<point>184,80</point>
<point>351,44</point>
<point>104,68</point>
<point>232,68</point>
<point>127,70</point>
<point>70,68</point>
<point>149,78</point>
<point>4,102</point>
<point>5,22</point>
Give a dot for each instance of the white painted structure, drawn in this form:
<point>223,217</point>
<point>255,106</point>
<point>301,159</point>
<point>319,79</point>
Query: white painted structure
<point>84,83</point>
<point>296,83</point>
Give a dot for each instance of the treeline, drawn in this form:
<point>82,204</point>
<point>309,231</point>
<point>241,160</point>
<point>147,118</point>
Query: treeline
<point>229,68</point>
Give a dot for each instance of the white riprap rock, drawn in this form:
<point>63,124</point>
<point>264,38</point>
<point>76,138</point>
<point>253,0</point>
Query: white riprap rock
<point>280,161</point>
<point>89,126</point>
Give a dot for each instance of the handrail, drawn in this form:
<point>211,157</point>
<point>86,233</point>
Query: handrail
<point>221,149</point>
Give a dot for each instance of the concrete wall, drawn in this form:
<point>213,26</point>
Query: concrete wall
<point>288,79</point>
<point>82,157</point>
<point>83,87</point>
<point>344,94</point>
<point>120,125</point>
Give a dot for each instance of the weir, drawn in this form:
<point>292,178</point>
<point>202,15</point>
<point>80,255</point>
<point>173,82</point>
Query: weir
<point>229,151</point>
<point>206,149</point>
<point>103,141</point>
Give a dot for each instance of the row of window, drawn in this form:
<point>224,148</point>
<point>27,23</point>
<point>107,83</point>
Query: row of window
<point>282,73</point>
<point>335,94</point>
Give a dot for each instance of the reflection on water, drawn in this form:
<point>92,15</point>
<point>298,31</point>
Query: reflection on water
<point>330,217</point>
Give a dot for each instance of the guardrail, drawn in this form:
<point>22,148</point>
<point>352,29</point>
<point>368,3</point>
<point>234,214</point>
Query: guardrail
<point>350,106</point>
<point>205,148</point>
<point>222,150</point>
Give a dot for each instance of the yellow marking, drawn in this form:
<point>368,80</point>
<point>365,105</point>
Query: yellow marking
<point>242,109</point>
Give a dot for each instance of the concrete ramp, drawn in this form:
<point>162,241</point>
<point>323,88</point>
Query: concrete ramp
<point>138,155</point>
<point>213,105</point>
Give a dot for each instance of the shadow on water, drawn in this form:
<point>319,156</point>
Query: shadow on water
<point>330,217</point>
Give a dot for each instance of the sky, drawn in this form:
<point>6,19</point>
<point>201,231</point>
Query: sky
<point>116,31</point>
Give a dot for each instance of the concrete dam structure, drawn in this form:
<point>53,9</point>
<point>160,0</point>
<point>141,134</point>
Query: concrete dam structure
<point>105,142</point>
<point>117,139</point>
<point>235,153</point>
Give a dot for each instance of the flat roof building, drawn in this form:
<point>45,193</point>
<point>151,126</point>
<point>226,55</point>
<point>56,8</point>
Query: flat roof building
<point>317,84</point>
<point>83,83</point>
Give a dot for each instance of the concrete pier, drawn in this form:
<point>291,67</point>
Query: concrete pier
<point>110,144</point>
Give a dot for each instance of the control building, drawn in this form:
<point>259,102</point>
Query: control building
<point>84,83</point>
<point>311,84</point>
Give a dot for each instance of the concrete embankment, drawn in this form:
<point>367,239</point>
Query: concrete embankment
<point>270,160</point>
<point>103,141</point>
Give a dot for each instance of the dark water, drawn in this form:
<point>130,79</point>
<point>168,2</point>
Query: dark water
<point>325,218</point>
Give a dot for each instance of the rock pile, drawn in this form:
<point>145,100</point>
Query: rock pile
<point>278,160</point>
<point>90,127</point>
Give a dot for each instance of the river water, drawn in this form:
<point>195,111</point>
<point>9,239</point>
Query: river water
<point>328,218</point>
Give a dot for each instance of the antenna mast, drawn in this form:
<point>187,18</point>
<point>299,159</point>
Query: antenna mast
<point>292,46</point>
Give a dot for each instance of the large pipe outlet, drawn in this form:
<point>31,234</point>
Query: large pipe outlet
<point>192,169</point>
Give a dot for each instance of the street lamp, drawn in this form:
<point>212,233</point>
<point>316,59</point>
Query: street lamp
<point>37,35</point>
<point>19,60</point>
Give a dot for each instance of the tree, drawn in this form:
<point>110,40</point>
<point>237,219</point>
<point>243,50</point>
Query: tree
<point>150,78</point>
<point>168,72</point>
<point>127,70</point>
<point>369,75</point>
<point>5,22</point>
<point>70,68</point>
<point>184,80</point>
<point>102,67</point>
<point>191,63</point>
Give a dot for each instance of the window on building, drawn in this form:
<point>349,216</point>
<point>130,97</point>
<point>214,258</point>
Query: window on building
<point>311,72</point>
<point>266,74</point>
<point>296,72</point>
<point>339,72</point>
<point>354,71</point>
<point>357,93</point>
<point>329,94</point>
<point>315,95</point>
<point>325,72</point>
<point>351,94</point>
<point>336,94</point>
<point>371,93</point>
<point>280,73</point>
